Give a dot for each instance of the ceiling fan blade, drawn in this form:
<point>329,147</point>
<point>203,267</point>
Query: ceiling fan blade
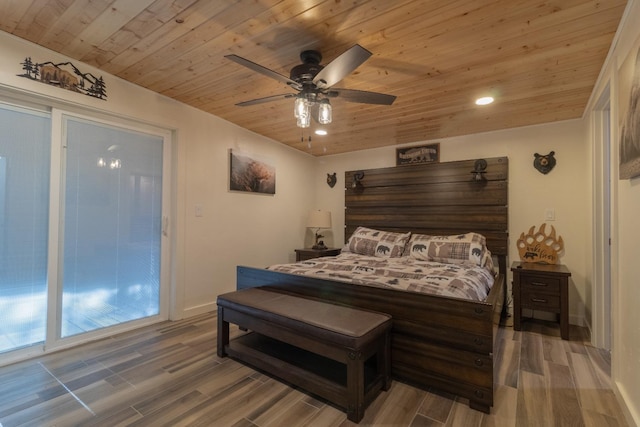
<point>264,71</point>
<point>362,96</point>
<point>341,67</point>
<point>266,99</point>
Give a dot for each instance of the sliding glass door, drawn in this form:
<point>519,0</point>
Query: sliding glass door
<point>83,228</point>
<point>112,226</point>
<point>25,147</point>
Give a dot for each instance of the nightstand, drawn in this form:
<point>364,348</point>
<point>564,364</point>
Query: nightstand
<point>542,287</point>
<point>308,253</point>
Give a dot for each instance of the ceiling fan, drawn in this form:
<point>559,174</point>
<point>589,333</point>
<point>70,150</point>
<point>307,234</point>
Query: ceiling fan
<point>314,83</point>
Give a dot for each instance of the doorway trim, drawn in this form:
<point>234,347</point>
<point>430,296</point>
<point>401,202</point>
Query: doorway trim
<point>601,296</point>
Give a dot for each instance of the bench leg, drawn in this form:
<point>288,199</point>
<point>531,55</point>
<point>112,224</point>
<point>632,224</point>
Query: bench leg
<point>355,386</point>
<point>223,333</point>
<point>384,361</point>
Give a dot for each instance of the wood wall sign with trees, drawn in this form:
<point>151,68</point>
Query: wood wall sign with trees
<point>64,75</point>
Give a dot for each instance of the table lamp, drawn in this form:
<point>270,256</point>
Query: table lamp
<point>317,220</point>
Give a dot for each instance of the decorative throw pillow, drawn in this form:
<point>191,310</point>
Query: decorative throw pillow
<point>487,262</point>
<point>456,249</point>
<point>370,242</point>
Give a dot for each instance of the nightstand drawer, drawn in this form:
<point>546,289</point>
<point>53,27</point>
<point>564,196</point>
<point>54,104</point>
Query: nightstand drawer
<point>540,284</point>
<point>540,301</point>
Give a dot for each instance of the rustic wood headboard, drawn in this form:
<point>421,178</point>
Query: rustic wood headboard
<point>435,199</point>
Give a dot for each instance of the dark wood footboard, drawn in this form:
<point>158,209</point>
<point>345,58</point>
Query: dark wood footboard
<point>440,342</point>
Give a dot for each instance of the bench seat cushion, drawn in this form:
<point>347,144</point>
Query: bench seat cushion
<point>345,326</point>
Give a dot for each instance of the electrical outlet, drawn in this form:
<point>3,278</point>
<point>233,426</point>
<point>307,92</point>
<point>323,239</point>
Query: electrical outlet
<point>198,210</point>
<point>550,214</point>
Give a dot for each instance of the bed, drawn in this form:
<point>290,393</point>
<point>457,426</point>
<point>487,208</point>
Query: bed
<point>444,341</point>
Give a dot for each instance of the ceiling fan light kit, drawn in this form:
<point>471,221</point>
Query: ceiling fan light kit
<point>314,83</point>
<point>304,120</point>
<point>324,115</point>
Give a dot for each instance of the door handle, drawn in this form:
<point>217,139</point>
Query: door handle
<point>165,225</point>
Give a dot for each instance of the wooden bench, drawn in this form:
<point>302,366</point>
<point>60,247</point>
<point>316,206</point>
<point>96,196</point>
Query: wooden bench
<point>339,353</point>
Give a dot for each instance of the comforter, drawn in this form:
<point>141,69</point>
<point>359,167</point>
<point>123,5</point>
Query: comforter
<point>464,281</point>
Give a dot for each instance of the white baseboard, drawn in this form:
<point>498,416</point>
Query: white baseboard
<point>631,413</point>
<point>199,309</point>
<point>575,319</point>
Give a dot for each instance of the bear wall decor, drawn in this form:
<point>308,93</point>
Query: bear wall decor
<point>331,179</point>
<point>544,162</point>
<point>540,247</point>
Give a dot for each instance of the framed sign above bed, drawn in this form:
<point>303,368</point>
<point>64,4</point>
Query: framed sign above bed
<point>418,155</point>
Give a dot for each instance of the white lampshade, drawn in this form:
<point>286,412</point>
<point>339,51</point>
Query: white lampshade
<point>319,219</point>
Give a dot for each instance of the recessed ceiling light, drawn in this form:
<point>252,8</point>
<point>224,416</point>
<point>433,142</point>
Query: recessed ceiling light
<point>485,100</point>
<point>321,132</point>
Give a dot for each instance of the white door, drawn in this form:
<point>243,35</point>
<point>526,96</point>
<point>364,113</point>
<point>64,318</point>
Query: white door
<point>111,242</point>
<point>83,229</point>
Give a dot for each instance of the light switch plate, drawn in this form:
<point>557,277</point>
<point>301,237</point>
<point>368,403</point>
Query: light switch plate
<point>550,214</point>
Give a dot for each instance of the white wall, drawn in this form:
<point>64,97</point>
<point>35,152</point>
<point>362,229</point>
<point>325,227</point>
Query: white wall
<point>564,189</point>
<point>625,225</point>
<point>236,228</point>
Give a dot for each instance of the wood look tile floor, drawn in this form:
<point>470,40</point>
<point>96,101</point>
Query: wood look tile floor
<point>169,375</point>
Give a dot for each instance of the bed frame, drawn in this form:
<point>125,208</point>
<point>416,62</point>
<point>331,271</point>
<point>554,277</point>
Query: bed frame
<point>437,342</point>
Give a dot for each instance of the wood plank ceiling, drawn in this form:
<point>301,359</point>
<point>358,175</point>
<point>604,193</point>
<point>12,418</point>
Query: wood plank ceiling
<point>539,58</point>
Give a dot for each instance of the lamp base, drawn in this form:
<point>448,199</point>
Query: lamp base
<point>319,243</point>
<point>319,246</point>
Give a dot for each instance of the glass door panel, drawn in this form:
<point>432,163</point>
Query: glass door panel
<point>25,155</point>
<point>112,226</point>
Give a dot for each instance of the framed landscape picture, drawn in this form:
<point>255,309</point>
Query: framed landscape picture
<point>629,107</point>
<point>250,174</point>
<point>417,155</point>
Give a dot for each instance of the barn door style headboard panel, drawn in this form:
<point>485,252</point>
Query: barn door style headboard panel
<point>432,198</point>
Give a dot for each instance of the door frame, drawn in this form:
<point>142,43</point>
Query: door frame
<point>602,290</point>
<point>53,340</point>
